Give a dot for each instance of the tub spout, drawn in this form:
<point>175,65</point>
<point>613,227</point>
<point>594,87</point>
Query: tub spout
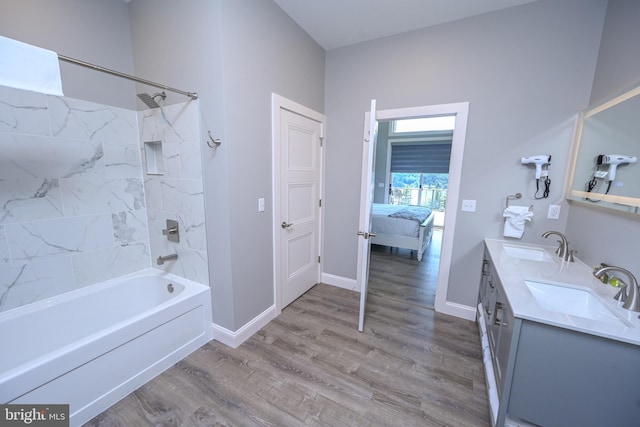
<point>162,259</point>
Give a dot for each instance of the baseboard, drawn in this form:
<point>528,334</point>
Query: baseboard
<point>457,310</point>
<point>234,339</point>
<point>340,282</point>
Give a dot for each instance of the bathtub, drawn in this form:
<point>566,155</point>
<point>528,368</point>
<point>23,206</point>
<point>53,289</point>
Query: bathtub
<point>91,347</point>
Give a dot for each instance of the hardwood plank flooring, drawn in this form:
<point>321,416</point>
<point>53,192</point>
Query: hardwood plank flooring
<point>397,274</point>
<point>311,367</point>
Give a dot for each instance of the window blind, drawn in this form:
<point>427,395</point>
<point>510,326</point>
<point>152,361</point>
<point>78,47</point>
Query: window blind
<point>420,158</point>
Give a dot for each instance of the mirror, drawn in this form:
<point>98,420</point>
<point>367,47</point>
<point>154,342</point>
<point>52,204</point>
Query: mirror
<point>605,167</point>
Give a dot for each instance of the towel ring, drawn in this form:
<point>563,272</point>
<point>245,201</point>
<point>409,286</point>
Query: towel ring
<point>517,196</point>
<point>513,196</point>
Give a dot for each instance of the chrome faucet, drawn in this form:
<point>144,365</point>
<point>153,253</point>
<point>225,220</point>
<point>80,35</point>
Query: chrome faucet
<point>563,250</point>
<point>162,259</point>
<point>632,302</point>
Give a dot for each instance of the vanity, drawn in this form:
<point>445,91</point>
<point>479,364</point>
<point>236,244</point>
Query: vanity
<point>558,349</point>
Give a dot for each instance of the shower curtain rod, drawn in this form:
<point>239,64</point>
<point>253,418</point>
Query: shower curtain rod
<point>192,95</point>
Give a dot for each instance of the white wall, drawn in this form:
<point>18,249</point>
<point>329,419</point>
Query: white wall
<point>173,188</point>
<point>234,54</point>
<point>618,69</point>
<point>72,206</point>
<point>526,71</point>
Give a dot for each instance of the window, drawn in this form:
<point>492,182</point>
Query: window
<point>419,189</point>
<point>424,124</point>
<point>419,164</point>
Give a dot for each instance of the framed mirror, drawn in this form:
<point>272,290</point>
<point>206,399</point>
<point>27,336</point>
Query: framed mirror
<point>605,170</point>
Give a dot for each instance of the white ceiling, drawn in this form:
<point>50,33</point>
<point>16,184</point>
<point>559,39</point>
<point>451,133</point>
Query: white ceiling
<point>338,23</point>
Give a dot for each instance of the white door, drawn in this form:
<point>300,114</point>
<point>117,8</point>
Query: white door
<point>300,173</point>
<point>461,111</point>
<point>366,200</point>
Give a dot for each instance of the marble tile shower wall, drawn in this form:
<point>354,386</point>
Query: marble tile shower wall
<point>72,208</point>
<point>175,191</point>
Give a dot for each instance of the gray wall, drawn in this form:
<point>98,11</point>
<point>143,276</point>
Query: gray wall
<point>235,54</point>
<point>598,234</point>
<point>93,31</point>
<point>264,51</point>
<point>526,72</point>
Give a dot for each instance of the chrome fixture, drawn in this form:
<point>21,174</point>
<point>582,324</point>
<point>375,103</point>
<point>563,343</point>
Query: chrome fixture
<point>191,95</point>
<point>563,250</point>
<point>213,142</point>
<point>632,301</point>
<point>162,259</point>
<point>172,231</point>
<point>621,295</point>
<point>150,100</point>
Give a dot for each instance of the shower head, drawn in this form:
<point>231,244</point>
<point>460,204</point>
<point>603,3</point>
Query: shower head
<point>150,100</point>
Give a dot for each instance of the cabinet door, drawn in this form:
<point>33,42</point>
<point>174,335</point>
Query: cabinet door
<point>493,329</point>
<point>483,280</point>
<point>504,320</point>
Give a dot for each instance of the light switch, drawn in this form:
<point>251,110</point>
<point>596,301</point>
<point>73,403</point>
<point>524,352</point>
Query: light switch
<point>261,204</point>
<point>468,206</point>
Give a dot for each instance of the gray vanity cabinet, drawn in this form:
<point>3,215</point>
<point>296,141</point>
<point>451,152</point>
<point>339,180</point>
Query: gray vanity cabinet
<point>567,378</point>
<point>552,376</point>
<point>499,321</point>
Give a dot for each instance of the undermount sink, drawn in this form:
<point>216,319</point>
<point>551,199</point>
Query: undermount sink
<point>527,252</point>
<point>580,302</point>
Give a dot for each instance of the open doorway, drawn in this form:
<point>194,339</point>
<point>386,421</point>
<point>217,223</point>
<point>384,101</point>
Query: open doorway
<point>460,112</point>
<point>411,174</point>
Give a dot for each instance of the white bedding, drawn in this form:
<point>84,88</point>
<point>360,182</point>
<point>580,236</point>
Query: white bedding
<point>383,224</point>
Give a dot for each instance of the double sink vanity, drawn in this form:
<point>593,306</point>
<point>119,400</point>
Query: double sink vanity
<point>558,349</point>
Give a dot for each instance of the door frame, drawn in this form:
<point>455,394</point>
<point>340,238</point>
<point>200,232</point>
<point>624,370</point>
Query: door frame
<point>281,103</point>
<point>461,111</point>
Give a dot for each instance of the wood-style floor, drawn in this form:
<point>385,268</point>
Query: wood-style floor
<point>310,366</point>
<point>397,273</point>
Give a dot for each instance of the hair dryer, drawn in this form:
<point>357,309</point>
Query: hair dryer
<point>539,160</point>
<point>613,160</point>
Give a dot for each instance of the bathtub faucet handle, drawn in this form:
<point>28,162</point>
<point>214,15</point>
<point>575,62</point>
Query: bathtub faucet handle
<point>172,232</point>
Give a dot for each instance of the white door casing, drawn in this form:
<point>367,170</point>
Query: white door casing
<point>460,110</point>
<point>366,203</point>
<point>297,188</point>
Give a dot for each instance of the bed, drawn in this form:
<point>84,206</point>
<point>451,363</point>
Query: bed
<point>406,227</point>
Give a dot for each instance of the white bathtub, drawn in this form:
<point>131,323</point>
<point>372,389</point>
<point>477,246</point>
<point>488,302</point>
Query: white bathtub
<point>91,347</point>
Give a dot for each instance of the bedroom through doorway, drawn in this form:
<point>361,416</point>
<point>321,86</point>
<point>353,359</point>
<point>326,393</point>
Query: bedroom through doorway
<point>411,175</point>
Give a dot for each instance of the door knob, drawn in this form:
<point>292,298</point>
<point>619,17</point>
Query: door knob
<point>286,224</point>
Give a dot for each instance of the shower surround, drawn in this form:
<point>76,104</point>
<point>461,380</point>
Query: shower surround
<point>75,209</point>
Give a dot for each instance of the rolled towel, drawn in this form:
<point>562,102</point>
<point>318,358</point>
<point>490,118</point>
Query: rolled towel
<point>27,67</point>
<point>516,218</point>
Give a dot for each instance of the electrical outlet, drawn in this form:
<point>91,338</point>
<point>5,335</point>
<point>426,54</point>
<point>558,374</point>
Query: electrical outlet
<point>468,206</point>
<point>261,204</point>
<point>554,212</point>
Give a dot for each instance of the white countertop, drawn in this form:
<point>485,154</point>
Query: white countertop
<point>513,272</point>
